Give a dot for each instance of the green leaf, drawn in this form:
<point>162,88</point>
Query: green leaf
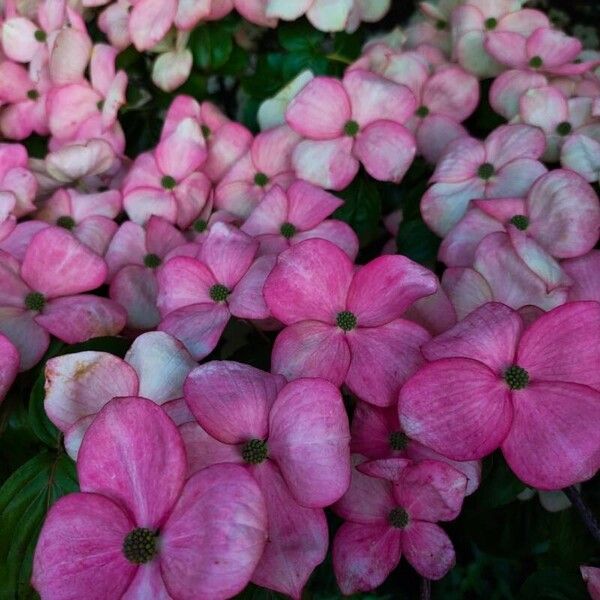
<point>41,426</point>
<point>24,501</point>
<point>362,208</point>
<point>418,242</point>
<point>553,584</point>
<point>299,36</point>
<point>211,45</point>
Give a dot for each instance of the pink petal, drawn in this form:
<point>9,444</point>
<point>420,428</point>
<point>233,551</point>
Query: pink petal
<point>77,319</point>
<point>231,401</point>
<point>386,149</point>
<point>451,92</point>
<point>591,576</point>
<point>313,452</point>
<point>320,110</point>
<point>70,55</point>
<point>80,549</point>
<point>215,536</point>
<point>510,142</point>
<point>383,358</point>
<point>466,289</point>
<point>247,299</point>
<point>147,583</point>
<point>9,365</point>
<point>508,88</point>
<point>435,134</point>
<point>269,215</point>
<point>554,47</point>
<point>149,21</point>
<point>326,15</point>
<point>544,107</point>
<point>554,440</point>
<point>460,161</point>
<point>56,264</point>
<point>385,288</point>
<point>364,556</point>
<point>80,384</point>
<point>374,98</point>
<point>28,337</point>
<point>144,202</point>
<point>371,429</point>
<point>489,335</point>
<point>336,232</point>
<point>580,154</point>
<point>559,345</point>
<point>456,406</point>
<point>326,163</point>
<point>310,281</point>
<point>162,364</point>
<point>309,205</point>
<point>133,453</point>
<point>272,150</point>
<point>508,48</point>
<point>18,39</point>
<point>183,151</point>
<point>428,549</point>
<point>298,537</point>
<point>135,289</point>
<point>431,491</point>
<point>584,273</point>
<point>198,326</point>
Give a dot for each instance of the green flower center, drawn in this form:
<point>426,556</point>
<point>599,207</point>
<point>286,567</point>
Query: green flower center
<point>35,301</point>
<point>516,377</point>
<point>521,222</point>
<point>205,131</point>
<point>66,222</point>
<point>398,440</point>
<point>398,517</point>
<point>33,94</point>
<point>255,451</point>
<point>536,62</point>
<point>168,182</point>
<point>100,104</point>
<point>139,546</point>
<point>491,23</point>
<point>152,261</point>
<point>351,128</point>
<point>564,128</point>
<point>346,320</point>
<point>288,230</point>
<point>200,225</point>
<point>486,170</point>
<point>40,35</point>
<point>260,179</point>
<point>441,25</point>
<point>218,292</point>
<point>422,111</point>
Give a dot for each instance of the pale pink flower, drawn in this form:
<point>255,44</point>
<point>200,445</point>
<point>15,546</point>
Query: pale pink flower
<point>533,392</point>
<point>18,186</point>
<point>591,576</point>
<point>138,528</point>
<point>9,365</point>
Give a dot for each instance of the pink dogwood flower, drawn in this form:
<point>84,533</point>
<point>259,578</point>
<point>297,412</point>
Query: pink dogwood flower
<point>43,295</point>
<point>250,417</point>
<point>18,186</point>
<point>90,217</point>
<point>166,181</point>
<point>591,576</point>
<point>138,528</point>
<point>9,365</point>
<point>534,392</point>
<point>265,164</point>
<point>283,219</point>
<point>357,120</point>
<point>376,434</point>
<point>197,295</point>
<point>505,165</point>
<point>133,257</point>
<point>394,517</point>
<point>561,213</point>
<point>345,325</point>
<point>583,271</point>
<point>79,385</point>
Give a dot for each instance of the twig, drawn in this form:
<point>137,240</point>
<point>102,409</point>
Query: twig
<point>585,512</point>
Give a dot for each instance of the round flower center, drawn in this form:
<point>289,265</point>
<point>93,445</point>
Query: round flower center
<point>218,292</point>
<point>516,377</point>
<point>288,230</point>
<point>40,35</point>
<point>564,128</point>
<point>261,179</point>
<point>152,261</point>
<point>254,451</point>
<point>351,128</point>
<point>200,225</point>
<point>35,301</point>
<point>346,320</point>
<point>520,222</point>
<point>398,440</point>
<point>100,104</point>
<point>536,62</point>
<point>168,182</point>
<point>66,222</point>
<point>33,94</point>
<point>140,546</point>
<point>441,25</point>
<point>205,131</point>
<point>491,23</point>
<point>398,517</point>
<point>422,111</point>
<point>485,171</point>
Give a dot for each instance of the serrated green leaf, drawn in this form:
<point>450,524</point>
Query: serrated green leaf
<point>25,499</point>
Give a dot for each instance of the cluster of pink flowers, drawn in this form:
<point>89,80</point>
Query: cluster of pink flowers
<point>198,478</point>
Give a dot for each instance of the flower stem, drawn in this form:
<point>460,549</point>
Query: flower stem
<point>425,589</point>
<point>339,58</point>
<point>585,512</point>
